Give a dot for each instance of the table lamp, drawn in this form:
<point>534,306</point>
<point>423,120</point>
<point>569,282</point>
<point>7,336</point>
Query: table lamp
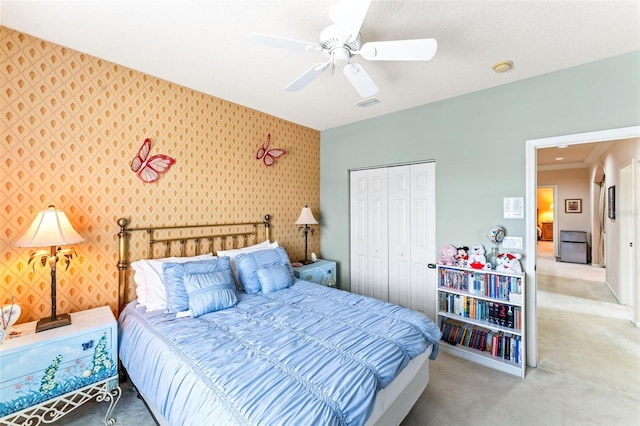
<point>306,218</point>
<point>52,228</point>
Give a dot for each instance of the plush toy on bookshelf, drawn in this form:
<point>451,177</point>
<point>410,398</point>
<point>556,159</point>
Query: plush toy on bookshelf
<point>447,255</point>
<point>462,257</point>
<point>477,258</point>
<point>508,262</point>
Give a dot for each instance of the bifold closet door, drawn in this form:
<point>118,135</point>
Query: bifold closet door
<point>423,238</point>
<point>399,235</point>
<point>412,236</point>
<point>369,233</point>
<point>393,234</point>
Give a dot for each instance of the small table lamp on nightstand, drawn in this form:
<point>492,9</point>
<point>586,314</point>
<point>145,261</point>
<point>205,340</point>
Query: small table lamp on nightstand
<point>52,228</point>
<point>306,218</point>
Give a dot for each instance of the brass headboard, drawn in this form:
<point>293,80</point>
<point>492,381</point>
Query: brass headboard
<point>183,240</point>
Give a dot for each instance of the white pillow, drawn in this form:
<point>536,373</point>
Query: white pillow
<point>149,279</point>
<point>234,252</point>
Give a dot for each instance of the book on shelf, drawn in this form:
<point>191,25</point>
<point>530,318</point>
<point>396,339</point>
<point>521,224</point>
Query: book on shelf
<point>482,283</point>
<point>500,344</point>
<point>502,314</point>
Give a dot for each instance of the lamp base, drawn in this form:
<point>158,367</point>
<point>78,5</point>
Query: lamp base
<point>306,261</point>
<point>48,323</point>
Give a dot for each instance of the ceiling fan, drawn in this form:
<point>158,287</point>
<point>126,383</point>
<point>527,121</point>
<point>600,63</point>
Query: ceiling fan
<point>341,41</point>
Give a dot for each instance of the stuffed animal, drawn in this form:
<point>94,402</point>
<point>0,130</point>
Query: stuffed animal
<point>477,259</point>
<point>447,255</point>
<point>462,256</point>
<point>508,262</point>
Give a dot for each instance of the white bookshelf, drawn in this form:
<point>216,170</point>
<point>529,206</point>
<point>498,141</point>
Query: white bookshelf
<point>482,316</point>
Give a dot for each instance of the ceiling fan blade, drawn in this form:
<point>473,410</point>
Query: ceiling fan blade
<point>348,16</point>
<point>360,80</point>
<point>400,50</point>
<point>308,76</point>
<point>284,43</point>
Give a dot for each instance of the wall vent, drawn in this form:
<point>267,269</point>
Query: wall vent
<point>368,102</point>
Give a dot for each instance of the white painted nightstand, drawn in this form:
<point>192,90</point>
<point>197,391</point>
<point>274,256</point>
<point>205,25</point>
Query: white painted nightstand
<point>48,374</point>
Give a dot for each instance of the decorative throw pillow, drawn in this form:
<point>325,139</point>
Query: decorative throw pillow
<point>178,276</point>
<point>149,279</point>
<point>274,278</point>
<point>210,286</point>
<point>248,265</point>
<point>249,249</point>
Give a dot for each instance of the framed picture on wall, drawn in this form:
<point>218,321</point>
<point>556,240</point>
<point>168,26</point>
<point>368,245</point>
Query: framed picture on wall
<point>573,205</point>
<point>611,202</point>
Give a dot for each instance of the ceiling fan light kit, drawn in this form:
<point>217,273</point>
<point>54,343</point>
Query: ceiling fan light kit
<point>341,41</point>
<point>340,56</point>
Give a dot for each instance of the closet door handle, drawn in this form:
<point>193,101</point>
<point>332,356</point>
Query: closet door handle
<point>431,266</point>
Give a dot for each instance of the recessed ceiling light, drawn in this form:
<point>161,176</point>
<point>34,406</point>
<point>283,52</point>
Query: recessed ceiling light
<point>563,146</point>
<point>559,158</point>
<point>502,66</point>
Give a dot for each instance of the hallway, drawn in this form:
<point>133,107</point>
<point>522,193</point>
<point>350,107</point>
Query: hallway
<point>573,280</point>
<point>583,331</point>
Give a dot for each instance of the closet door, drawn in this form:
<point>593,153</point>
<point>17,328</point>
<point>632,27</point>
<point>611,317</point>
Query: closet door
<point>378,230</point>
<point>412,236</point>
<point>400,235</point>
<point>369,233</point>
<point>393,235</point>
<point>423,238</point>
<point>359,236</point>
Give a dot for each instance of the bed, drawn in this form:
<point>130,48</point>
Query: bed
<point>235,338</point>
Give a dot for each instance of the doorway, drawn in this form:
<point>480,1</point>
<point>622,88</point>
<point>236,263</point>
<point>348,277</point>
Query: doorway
<point>546,213</point>
<point>531,237</point>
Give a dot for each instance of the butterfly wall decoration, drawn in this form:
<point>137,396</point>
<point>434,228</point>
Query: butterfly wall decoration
<point>269,155</point>
<point>150,169</point>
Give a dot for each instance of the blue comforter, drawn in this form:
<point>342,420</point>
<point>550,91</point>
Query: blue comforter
<point>304,355</point>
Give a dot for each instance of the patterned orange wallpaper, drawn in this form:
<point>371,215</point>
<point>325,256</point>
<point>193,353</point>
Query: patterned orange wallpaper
<point>71,123</point>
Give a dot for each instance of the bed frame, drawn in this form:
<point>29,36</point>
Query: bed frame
<point>393,403</point>
<point>182,240</point>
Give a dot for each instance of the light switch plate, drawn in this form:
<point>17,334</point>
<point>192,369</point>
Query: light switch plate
<point>512,243</point>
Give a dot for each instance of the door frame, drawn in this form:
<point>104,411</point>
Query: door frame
<point>531,147</point>
<point>627,201</point>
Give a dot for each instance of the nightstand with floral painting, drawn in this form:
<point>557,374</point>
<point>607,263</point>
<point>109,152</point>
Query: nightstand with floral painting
<point>48,374</point>
<point>321,272</point>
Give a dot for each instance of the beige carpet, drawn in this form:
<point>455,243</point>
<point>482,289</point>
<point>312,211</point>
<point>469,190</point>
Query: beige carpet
<point>588,372</point>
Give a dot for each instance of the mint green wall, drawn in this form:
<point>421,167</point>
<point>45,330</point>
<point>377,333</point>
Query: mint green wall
<point>478,142</point>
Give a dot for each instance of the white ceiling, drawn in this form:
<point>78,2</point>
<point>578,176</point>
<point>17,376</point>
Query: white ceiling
<point>572,156</point>
<point>203,45</point>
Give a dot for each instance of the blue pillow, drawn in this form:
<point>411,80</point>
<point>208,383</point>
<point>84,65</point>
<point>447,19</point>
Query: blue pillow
<point>202,286</point>
<point>248,264</point>
<point>177,297</point>
<point>274,278</point>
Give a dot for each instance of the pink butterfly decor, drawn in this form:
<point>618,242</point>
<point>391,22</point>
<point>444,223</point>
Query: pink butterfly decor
<point>269,155</point>
<point>150,169</point>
